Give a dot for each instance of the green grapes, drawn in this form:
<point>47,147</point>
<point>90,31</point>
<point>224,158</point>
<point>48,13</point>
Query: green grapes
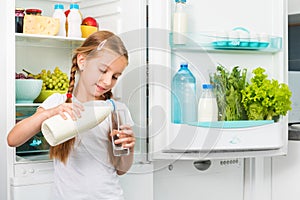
<point>57,80</point>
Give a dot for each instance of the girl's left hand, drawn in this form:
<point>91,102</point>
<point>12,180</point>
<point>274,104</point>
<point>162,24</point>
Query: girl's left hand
<point>126,137</point>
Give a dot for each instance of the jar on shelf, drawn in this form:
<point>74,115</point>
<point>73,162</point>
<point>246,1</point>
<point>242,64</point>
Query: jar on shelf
<point>19,19</point>
<point>34,11</point>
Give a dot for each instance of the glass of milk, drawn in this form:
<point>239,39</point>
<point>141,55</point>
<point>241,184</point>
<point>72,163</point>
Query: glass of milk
<point>118,118</point>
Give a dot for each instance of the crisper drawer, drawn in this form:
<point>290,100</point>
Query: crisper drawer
<point>192,138</point>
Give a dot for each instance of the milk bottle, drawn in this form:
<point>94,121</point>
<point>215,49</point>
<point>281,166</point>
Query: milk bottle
<point>57,130</point>
<point>179,22</point>
<point>59,14</point>
<point>207,107</point>
<point>74,21</point>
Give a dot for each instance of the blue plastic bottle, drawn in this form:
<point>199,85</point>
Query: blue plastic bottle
<point>184,96</point>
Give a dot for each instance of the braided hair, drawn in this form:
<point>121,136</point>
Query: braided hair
<point>113,43</point>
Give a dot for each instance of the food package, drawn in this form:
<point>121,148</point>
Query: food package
<point>40,25</point>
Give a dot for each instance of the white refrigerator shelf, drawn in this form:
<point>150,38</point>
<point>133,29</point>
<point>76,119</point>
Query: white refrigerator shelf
<point>265,136</point>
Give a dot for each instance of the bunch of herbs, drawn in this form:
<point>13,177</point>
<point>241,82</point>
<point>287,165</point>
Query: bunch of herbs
<point>227,87</point>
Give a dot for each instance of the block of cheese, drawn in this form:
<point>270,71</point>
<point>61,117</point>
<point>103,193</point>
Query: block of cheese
<point>40,25</point>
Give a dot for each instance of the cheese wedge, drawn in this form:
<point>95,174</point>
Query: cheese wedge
<point>40,25</point>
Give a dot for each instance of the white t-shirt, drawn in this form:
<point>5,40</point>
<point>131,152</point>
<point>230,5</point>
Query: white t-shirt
<point>88,173</point>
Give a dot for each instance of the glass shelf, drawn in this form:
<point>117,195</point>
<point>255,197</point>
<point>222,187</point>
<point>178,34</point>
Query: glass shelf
<point>211,43</point>
<point>47,41</point>
<point>23,111</point>
<point>42,157</point>
<point>27,104</point>
<point>232,124</point>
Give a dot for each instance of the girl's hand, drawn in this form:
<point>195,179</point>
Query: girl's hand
<point>73,109</point>
<point>126,137</point>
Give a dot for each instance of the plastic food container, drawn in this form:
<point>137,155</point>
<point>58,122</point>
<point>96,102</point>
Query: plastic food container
<point>33,11</point>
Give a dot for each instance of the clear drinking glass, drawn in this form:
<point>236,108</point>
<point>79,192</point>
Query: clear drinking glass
<point>118,118</point>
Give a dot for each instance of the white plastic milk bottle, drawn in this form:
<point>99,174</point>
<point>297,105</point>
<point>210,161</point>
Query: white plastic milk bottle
<point>179,22</point>
<point>57,130</point>
<point>207,107</point>
<point>59,14</point>
<point>74,21</point>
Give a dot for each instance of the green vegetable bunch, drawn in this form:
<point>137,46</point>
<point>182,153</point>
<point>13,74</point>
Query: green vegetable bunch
<point>227,87</point>
<point>265,99</point>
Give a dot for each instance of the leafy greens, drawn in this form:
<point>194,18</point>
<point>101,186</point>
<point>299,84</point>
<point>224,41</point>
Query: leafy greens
<point>228,86</point>
<point>265,99</point>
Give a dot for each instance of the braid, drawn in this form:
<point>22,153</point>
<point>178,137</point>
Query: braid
<point>72,80</point>
<point>63,150</point>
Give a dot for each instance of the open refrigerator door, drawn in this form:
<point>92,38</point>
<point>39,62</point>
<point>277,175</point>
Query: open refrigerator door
<point>217,35</point>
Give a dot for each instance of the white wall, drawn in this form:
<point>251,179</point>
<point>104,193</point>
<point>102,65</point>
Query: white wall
<point>294,6</point>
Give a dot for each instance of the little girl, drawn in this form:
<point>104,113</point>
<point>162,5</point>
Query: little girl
<point>85,167</point>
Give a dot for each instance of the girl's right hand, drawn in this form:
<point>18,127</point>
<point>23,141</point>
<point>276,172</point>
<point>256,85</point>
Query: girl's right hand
<point>73,109</point>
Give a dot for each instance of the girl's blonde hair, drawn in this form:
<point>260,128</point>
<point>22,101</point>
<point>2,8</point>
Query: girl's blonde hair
<point>112,43</point>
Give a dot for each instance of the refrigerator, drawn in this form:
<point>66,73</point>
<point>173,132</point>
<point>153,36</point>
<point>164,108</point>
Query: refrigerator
<point>210,163</point>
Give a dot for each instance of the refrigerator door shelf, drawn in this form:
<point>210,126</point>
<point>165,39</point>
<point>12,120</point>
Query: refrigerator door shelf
<point>200,139</point>
<point>209,42</point>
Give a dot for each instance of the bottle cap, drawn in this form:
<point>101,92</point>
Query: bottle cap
<point>112,103</point>
<point>207,86</point>
<point>58,6</point>
<point>74,6</point>
<point>184,64</point>
<point>180,1</point>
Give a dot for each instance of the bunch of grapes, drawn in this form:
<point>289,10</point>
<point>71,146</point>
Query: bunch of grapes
<point>57,80</point>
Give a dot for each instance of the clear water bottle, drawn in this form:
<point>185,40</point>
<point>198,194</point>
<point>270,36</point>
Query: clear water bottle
<point>59,14</point>
<point>184,96</point>
<point>207,107</point>
<point>74,21</point>
<point>179,22</point>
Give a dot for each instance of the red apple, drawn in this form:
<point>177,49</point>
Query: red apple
<point>90,21</point>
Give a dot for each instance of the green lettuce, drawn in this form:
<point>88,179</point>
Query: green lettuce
<point>265,99</point>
